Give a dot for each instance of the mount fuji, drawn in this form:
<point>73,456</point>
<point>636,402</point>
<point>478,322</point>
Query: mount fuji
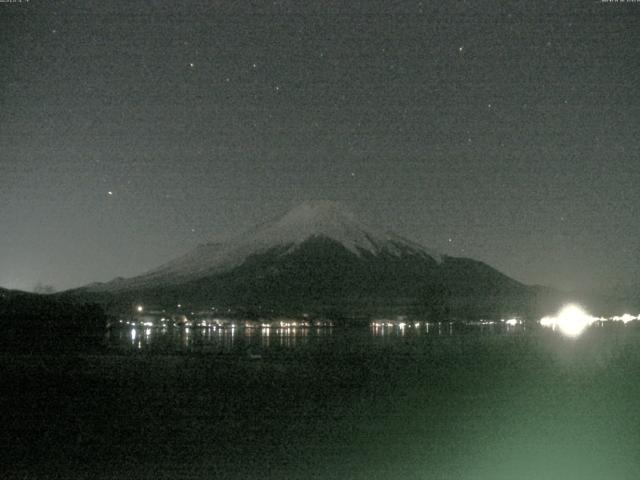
<point>320,257</point>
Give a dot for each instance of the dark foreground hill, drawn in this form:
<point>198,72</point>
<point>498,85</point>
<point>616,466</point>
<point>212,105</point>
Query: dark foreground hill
<point>38,322</point>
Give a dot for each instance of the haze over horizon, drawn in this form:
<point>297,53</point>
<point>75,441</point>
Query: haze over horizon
<point>507,133</point>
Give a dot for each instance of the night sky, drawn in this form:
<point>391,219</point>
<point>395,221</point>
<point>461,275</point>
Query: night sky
<point>502,131</point>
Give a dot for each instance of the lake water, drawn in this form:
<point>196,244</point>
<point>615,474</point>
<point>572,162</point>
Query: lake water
<point>255,341</point>
<point>450,401</point>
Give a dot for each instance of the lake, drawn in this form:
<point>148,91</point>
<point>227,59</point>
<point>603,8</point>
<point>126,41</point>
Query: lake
<point>258,340</point>
<point>441,401</point>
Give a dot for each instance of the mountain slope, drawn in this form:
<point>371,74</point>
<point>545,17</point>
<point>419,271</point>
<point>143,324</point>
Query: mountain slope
<point>321,273</point>
<point>320,257</point>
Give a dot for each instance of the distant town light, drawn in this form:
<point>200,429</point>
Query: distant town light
<point>627,318</point>
<point>547,321</point>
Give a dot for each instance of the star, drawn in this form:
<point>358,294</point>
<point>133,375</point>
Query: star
<point>460,48</point>
<point>110,193</point>
<point>277,88</point>
<point>191,65</point>
<point>255,65</point>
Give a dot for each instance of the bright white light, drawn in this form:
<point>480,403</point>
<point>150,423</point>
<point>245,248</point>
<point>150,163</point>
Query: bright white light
<point>571,321</point>
<point>547,321</point>
<point>140,308</point>
<point>626,318</point>
<point>512,322</point>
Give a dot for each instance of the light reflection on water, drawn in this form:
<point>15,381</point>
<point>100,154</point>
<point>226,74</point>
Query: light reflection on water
<point>259,339</point>
<point>212,339</point>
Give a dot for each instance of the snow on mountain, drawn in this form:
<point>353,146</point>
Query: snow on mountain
<point>333,221</point>
<point>326,219</point>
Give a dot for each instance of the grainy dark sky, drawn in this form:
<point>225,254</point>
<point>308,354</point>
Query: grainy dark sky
<point>503,131</point>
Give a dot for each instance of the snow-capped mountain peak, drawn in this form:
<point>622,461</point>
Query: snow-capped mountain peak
<point>336,222</point>
<point>321,219</point>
